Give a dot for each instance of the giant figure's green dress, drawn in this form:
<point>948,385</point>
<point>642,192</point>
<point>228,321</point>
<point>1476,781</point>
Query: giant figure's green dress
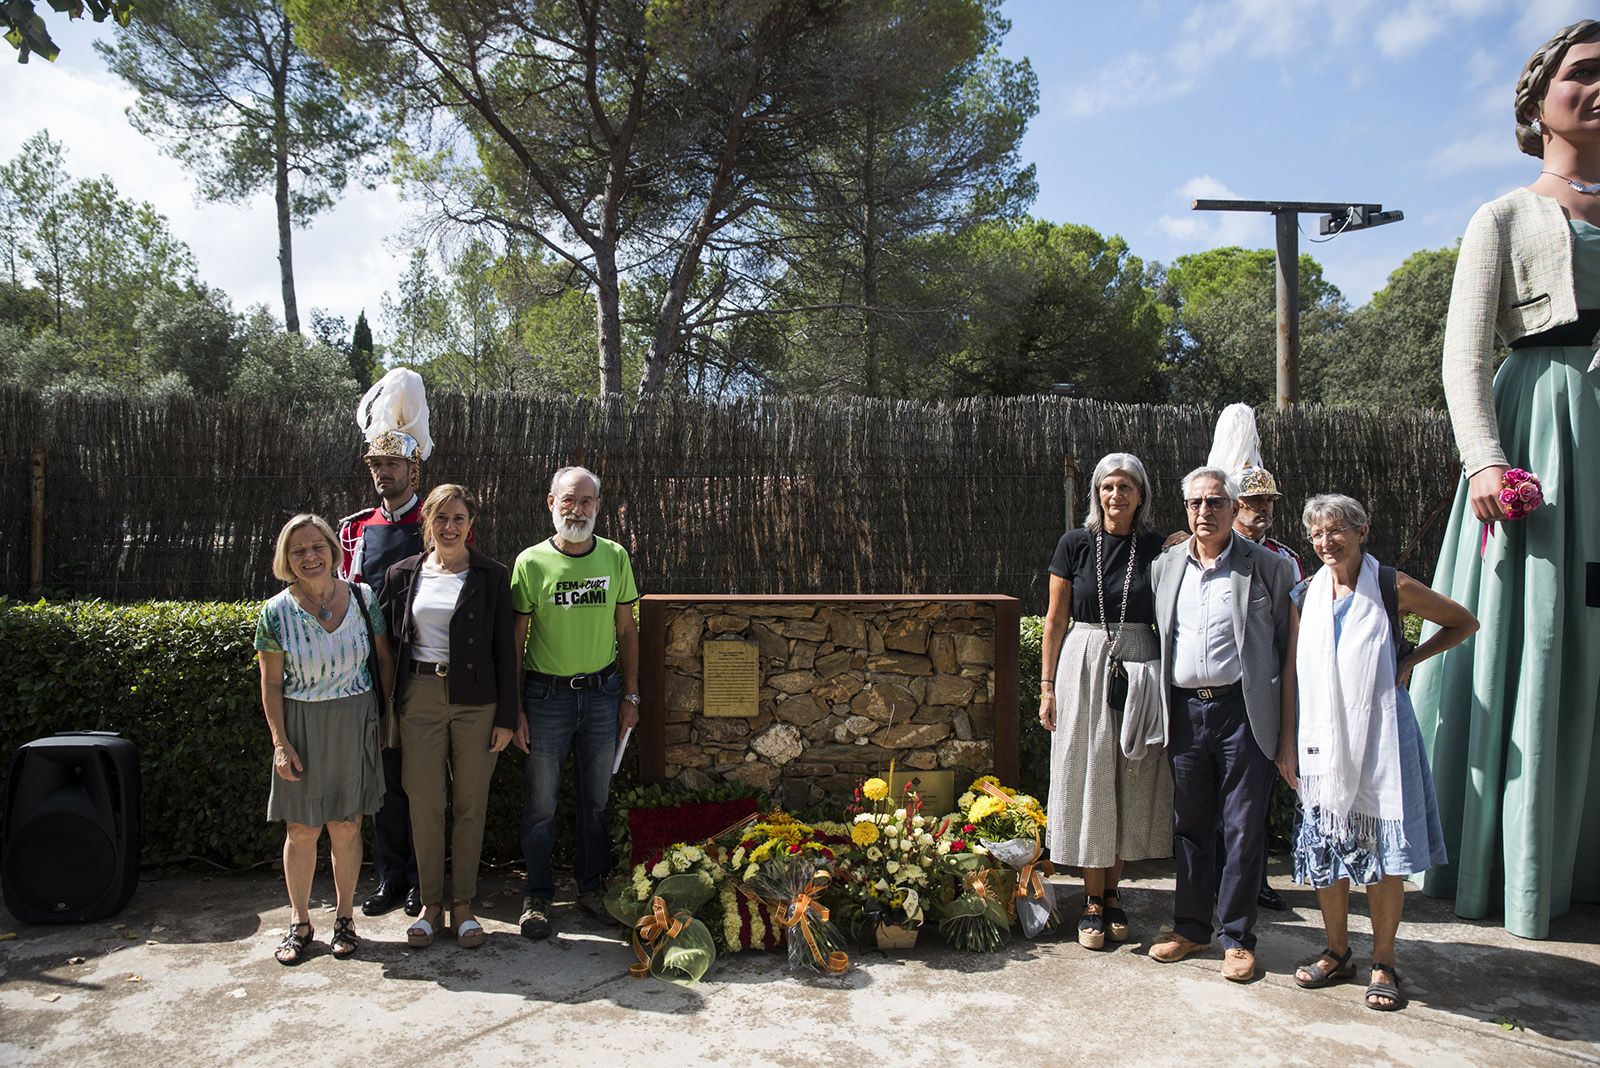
<point>1509,717</point>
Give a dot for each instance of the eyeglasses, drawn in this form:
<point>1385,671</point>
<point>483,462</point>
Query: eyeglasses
<point>1214,504</point>
<point>1331,532</point>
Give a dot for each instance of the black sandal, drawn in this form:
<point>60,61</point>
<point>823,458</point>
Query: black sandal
<point>1092,924</point>
<point>1325,968</point>
<point>295,946</point>
<point>344,942</point>
<point>1385,990</point>
<point>1116,918</point>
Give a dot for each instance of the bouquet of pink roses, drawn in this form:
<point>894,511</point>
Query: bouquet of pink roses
<point>1520,494</point>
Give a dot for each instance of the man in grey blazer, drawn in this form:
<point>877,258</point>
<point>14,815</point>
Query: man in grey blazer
<point>1227,666</point>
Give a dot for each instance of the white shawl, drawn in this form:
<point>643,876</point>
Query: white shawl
<point>1349,729</point>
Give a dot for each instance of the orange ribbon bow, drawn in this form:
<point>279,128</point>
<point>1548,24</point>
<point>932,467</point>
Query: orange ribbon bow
<point>797,914</point>
<point>648,929</point>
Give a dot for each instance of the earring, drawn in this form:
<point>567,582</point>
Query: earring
<point>1537,128</point>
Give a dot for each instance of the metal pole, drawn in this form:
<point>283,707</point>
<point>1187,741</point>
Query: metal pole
<point>1069,476</point>
<point>36,572</point>
<point>1288,308</point>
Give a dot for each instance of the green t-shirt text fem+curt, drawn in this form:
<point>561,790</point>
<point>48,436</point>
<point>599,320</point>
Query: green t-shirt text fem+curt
<point>573,601</point>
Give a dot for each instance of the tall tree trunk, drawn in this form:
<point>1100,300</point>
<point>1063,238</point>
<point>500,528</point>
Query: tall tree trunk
<point>280,188</point>
<point>608,305</point>
<point>869,260</point>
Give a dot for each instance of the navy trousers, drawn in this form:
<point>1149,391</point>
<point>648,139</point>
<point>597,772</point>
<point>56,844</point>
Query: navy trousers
<point>392,856</point>
<point>1220,777</point>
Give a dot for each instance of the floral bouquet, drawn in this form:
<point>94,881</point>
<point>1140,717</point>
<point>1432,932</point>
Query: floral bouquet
<point>1520,493</point>
<point>791,885</point>
<point>896,860</point>
<point>748,922</point>
<point>1008,824</point>
<point>679,872</point>
<point>976,920</point>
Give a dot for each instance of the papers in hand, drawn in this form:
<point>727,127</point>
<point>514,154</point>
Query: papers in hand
<point>622,747</point>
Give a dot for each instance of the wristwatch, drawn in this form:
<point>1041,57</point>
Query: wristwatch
<point>631,698</point>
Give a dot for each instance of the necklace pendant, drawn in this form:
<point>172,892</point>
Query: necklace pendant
<point>324,613</point>
<point>1591,189</point>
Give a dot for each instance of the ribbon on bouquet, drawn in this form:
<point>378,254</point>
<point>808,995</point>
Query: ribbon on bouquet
<point>797,913</point>
<point>1030,879</point>
<point>649,929</point>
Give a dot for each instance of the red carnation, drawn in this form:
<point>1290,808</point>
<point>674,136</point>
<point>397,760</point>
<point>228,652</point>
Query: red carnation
<point>969,828</point>
<point>795,848</point>
<point>957,846</point>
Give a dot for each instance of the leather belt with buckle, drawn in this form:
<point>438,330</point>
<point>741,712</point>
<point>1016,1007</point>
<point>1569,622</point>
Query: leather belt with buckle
<point>422,667</point>
<point>1209,693</point>
<point>592,680</point>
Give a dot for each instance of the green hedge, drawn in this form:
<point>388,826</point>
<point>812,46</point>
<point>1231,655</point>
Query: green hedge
<point>179,678</point>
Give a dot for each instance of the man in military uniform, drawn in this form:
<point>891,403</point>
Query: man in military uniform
<point>1258,501</point>
<point>372,539</point>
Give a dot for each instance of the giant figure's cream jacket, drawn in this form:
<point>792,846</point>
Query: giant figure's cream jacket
<point>1513,278</point>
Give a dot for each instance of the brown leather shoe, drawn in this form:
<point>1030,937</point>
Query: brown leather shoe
<point>1238,965</point>
<point>1174,947</point>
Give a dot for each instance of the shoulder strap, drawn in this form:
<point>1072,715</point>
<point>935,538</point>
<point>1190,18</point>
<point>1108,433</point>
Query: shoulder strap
<point>372,643</point>
<point>1388,587</point>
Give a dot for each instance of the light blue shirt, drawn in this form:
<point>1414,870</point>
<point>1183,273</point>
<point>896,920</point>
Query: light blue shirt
<point>1204,651</point>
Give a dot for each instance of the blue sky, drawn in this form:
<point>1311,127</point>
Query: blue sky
<point>1143,105</point>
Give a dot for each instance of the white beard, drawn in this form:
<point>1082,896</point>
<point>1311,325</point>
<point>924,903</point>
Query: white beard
<point>572,530</point>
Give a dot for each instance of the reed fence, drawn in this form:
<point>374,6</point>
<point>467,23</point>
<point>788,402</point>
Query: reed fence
<point>182,498</point>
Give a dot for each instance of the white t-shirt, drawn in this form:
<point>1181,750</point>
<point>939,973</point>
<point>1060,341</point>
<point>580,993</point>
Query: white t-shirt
<point>437,594</point>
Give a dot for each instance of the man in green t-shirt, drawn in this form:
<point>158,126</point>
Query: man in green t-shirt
<point>573,596</point>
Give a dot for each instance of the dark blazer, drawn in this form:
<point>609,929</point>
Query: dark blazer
<point>1261,580</point>
<point>483,655</point>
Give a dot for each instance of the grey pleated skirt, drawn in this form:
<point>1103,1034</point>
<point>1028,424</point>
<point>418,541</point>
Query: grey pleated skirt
<point>1102,805</point>
<point>342,775</point>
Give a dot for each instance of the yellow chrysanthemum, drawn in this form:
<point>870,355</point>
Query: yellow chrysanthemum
<point>984,807</point>
<point>875,789</point>
<point>864,834</point>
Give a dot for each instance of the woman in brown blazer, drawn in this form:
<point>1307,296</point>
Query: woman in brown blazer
<point>449,616</point>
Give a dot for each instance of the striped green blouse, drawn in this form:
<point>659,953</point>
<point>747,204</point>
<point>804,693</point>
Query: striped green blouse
<point>319,665</point>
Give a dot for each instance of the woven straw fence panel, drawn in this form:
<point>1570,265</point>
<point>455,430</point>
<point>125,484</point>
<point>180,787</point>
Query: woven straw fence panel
<point>182,498</point>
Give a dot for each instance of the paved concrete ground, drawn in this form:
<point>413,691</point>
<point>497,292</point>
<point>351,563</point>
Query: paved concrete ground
<point>185,977</point>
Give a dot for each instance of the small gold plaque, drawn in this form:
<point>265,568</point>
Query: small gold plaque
<point>731,674</point>
<point>937,789</point>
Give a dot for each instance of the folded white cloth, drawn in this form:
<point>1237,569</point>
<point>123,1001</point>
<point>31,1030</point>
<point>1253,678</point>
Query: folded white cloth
<point>1144,719</point>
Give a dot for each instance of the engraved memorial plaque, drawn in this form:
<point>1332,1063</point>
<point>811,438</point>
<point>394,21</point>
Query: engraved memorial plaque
<point>937,789</point>
<point>731,673</point>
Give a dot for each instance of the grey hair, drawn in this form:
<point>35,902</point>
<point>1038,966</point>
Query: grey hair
<point>555,480</point>
<point>1335,506</point>
<point>1133,467</point>
<point>1230,485</point>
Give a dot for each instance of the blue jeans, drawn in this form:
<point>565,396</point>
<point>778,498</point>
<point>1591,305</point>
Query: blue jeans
<point>583,722</point>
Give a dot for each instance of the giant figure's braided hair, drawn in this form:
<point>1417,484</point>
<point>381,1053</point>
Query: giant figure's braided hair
<point>1535,80</point>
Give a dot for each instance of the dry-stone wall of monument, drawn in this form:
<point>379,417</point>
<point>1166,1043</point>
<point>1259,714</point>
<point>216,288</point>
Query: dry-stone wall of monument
<point>845,686</point>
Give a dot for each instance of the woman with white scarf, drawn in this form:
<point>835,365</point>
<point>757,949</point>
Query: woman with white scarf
<point>1367,807</point>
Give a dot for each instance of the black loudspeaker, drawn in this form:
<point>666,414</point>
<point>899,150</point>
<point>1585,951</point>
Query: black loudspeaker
<point>73,828</point>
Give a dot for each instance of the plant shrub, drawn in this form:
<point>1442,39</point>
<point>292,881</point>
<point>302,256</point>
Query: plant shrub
<point>180,679</point>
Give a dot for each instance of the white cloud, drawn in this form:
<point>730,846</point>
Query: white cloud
<point>1492,149</point>
<point>1542,18</point>
<point>1406,31</point>
<point>1213,229</point>
<point>341,262</point>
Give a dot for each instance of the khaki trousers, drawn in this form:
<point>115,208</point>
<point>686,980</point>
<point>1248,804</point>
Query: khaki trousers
<point>445,746</point>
